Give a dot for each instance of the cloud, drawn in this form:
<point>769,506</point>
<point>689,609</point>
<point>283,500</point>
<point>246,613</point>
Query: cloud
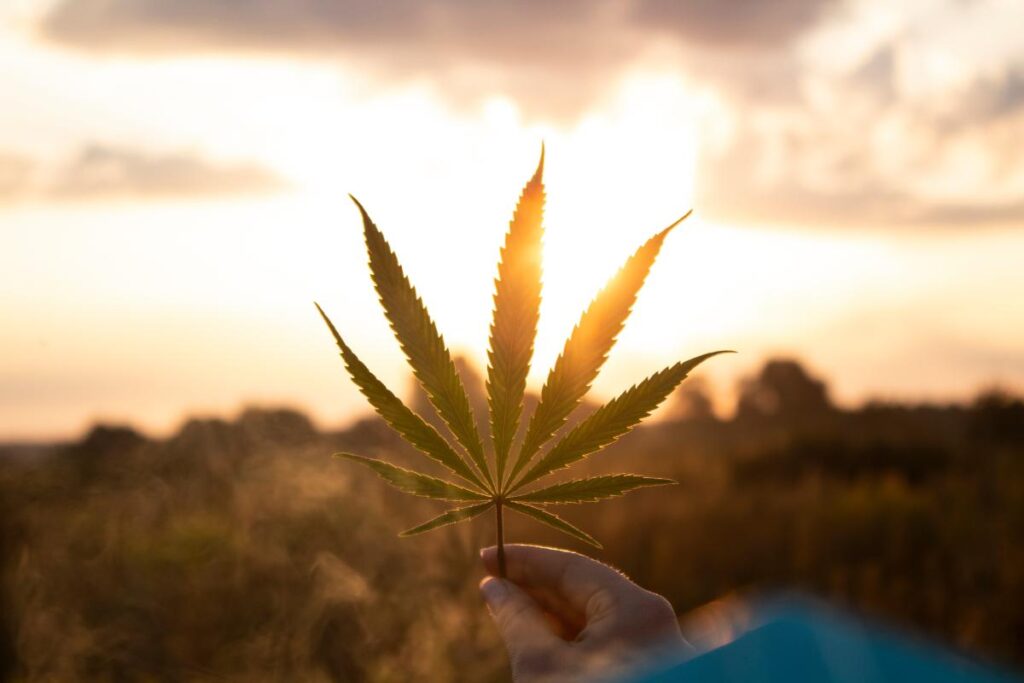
<point>733,24</point>
<point>482,30</point>
<point>106,172</point>
<point>553,58</point>
<point>869,146</point>
<point>809,178</point>
<point>988,99</point>
<point>879,139</point>
<point>485,30</point>
<point>111,173</point>
<point>726,193</point>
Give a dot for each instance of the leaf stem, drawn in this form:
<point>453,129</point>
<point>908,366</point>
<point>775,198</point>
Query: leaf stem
<point>500,531</point>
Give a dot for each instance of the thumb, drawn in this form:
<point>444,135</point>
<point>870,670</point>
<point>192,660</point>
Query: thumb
<point>531,644</point>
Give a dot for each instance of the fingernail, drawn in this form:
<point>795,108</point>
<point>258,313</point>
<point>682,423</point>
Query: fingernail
<point>494,591</point>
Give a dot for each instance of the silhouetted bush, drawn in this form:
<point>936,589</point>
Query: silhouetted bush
<point>846,461</point>
<point>783,389</point>
<point>999,417</point>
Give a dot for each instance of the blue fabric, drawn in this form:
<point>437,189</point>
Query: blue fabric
<point>803,642</point>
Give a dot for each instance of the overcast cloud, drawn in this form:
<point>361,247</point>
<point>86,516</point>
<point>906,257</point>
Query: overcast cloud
<point>885,137</point>
<point>112,173</point>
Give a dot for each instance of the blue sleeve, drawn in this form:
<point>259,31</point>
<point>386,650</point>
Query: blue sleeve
<point>820,647</point>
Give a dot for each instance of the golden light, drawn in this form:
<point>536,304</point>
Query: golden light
<point>221,290</point>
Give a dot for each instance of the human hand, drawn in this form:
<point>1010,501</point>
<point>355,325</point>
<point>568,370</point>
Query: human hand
<point>566,617</point>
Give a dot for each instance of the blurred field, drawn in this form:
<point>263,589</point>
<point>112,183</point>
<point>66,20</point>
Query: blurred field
<point>238,550</point>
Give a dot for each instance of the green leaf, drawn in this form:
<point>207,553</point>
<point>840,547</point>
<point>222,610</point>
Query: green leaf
<point>590,490</point>
<point>414,482</point>
<point>407,423</point>
<point>587,348</point>
<point>450,517</point>
<point>513,330</point>
<point>422,344</point>
<point>613,419</point>
<point>553,521</point>
<point>516,312</point>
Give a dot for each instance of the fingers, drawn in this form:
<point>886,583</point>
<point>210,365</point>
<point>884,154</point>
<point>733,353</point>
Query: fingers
<point>587,585</point>
<point>531,643</point>
<point>621,622</point>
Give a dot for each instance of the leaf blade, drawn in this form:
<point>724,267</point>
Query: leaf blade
<point>613,419</point>
<point>416,483</point>
<point>587,348</point>
<point>412,428</point>
<point>452,516</point>
<point>590,490</point>
<point>517,293</point>
<point>422,344</point>
<point>553,521</point>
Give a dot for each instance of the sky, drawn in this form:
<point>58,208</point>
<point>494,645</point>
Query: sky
<point>174,178</point>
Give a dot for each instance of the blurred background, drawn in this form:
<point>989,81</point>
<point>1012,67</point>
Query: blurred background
<point>173,180</point>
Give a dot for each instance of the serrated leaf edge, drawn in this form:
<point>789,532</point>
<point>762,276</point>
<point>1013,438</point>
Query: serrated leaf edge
<point>392,474</point>
<point>629,483</point>
<point>553,521</point>
<point>452,516</point>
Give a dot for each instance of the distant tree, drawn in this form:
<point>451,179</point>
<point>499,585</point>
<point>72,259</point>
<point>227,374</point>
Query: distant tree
<point>692,401</point>
<point>998,416</point>
<point>784,389</point>
<point>278,426</point>
<point>104,448</point>
<point>105,440</point>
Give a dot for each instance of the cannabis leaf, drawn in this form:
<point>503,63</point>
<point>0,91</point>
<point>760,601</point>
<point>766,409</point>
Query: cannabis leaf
<point>516,312</point>
<point>450,517</point>
<point>587,348</point>
<point>590,490</point>
<point>423,346</point>
<point>517,295</point>
<point>414,482</point>
<point>612,420</point>
<point>397,415</point>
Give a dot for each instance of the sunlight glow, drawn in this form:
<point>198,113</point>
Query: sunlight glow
<point>220,291</point>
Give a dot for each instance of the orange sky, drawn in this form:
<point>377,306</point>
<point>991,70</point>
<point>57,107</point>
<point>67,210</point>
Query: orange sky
<point>173,180</point>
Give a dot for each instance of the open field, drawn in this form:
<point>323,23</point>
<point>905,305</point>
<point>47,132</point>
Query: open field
<point>238,550</point>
